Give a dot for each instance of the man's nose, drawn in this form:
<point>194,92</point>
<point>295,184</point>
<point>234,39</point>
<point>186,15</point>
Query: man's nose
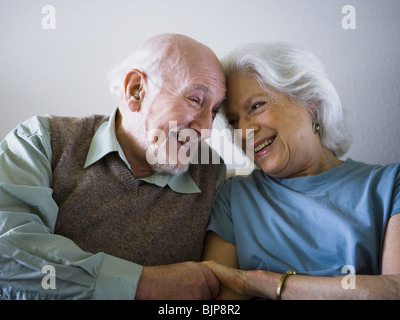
<point>202,123</point>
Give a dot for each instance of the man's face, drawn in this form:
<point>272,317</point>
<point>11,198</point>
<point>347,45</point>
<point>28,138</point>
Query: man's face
<point>181,114</point>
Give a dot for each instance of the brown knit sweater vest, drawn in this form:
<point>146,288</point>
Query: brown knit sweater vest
<point>103,209</point>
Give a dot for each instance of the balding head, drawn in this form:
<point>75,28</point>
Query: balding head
<point>161,56</point>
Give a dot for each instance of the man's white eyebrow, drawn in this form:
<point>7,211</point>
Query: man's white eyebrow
<point>200,87</point>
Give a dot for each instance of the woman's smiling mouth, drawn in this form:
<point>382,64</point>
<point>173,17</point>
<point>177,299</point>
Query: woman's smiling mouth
<point>261,147</point>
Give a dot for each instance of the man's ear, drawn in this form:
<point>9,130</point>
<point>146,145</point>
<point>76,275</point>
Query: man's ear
<point>133,89</point>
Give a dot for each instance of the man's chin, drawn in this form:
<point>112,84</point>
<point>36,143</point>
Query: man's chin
<point>173,169</point>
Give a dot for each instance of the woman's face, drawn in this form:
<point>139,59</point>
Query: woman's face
<point>284,143</point>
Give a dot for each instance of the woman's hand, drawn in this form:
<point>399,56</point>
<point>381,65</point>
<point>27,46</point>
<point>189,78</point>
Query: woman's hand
<point>233,282</point>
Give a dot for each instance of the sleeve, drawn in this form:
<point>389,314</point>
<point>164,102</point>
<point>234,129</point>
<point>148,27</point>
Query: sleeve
<point>396,193</point>
<point>220,175</point>
<point>28,245</point>
<point>221,215</point>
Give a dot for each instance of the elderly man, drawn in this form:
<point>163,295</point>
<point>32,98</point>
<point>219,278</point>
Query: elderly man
<point>104,207</point>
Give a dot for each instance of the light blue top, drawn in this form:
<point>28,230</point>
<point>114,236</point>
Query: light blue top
<point>314,225</point>
<point>28,215</point>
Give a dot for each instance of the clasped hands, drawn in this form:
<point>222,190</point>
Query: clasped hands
<point>191,280</point>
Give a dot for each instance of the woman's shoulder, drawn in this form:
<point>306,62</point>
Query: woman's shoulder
<point>349,170</point>
<point>358,167</point>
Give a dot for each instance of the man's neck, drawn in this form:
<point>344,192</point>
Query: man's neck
<point>135,155</point>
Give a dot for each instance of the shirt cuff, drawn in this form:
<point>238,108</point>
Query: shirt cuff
<point>117,279</point>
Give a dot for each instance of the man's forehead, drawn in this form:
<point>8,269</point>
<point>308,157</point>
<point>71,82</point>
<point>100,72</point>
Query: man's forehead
<point>193,78</point>
<point>210,81</point>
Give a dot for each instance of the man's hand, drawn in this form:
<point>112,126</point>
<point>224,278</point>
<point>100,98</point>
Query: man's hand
<point>187,280</point>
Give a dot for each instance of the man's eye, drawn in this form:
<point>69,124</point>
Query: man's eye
<point>194,100</point>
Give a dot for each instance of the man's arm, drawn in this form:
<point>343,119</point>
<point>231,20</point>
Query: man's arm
<point>27,218</point>
<point>28,215</point>
<point>181,281</point>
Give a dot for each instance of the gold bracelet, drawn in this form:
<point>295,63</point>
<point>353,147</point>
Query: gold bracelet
<point>281,282</point>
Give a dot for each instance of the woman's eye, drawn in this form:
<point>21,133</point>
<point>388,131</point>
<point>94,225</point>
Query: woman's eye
<point>257,105</point>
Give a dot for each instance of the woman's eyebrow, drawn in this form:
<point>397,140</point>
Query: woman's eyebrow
<point>254,97</point>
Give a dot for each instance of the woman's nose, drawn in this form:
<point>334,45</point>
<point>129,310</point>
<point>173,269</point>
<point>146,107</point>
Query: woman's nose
<point>247,129</point>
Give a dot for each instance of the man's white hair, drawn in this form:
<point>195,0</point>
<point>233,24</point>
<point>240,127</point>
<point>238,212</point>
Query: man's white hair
<point>301,77</point>
<point>148,57</point>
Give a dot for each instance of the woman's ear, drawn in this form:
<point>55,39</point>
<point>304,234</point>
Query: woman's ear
<point>133,89</point>
<point>312,109</point>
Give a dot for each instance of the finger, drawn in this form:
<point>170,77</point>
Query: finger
<point>216,268</point>
<point>210,264</point>
<point>212,282</point>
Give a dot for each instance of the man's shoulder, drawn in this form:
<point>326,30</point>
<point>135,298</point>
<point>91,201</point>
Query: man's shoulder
<point>36,125</point>
<point>94,118</point>
<point>76,126</point>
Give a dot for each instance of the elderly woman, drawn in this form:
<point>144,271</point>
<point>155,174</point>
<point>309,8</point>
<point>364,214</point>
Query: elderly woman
<point>305,225</point>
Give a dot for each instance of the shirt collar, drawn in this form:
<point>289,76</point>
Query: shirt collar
<point>105,141</point>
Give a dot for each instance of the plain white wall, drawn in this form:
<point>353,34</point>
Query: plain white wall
<point>63,70</point>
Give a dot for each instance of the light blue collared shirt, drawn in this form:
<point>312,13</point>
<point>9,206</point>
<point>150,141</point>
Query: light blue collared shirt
<point>28,215</point>
<point>314,225</point>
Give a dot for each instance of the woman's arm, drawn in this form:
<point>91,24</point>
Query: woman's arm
<point>244,284</point>
<point>219,250</point>
<point>219,253</point>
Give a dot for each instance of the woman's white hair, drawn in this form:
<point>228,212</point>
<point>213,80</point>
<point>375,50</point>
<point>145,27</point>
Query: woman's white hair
<point>301,77</point>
